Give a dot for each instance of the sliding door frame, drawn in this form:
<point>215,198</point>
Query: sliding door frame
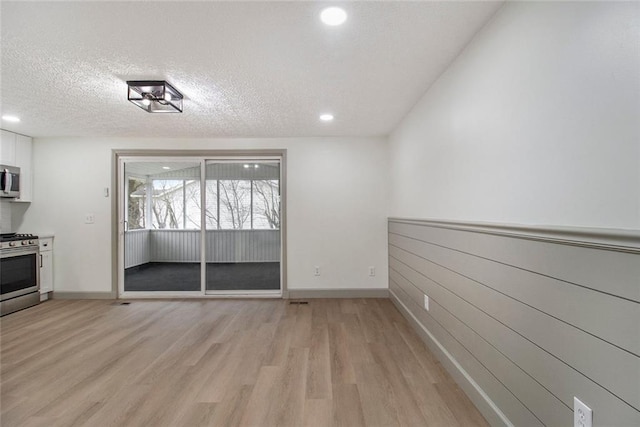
<point>201,156</point>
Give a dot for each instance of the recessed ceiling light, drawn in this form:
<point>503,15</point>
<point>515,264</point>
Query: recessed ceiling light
<point>166,167</point>
<point>256,166</point>
<point>326,117</point>
<point>8,118</point>
<point>333,16</point>
<point>246,166</point>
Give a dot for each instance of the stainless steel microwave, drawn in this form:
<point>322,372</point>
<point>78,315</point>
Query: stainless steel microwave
<point>9,181</point>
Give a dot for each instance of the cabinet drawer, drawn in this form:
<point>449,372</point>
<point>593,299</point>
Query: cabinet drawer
<point>46,244</point>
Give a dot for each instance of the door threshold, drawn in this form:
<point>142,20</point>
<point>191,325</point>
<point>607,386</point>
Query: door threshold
<point>193,295</point>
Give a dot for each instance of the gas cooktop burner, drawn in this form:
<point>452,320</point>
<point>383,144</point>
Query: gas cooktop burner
<point>10,237</point>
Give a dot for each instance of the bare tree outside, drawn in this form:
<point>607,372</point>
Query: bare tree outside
<point>230,204</point>
<point>136,203</point>
<point>167,204</point>
<point>235,204</point>
<point>266,204</point>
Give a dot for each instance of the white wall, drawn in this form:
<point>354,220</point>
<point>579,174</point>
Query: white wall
<point>536,122</point>
<point>336,206</point>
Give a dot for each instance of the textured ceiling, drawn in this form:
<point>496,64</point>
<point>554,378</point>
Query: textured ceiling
<point>247,69</point>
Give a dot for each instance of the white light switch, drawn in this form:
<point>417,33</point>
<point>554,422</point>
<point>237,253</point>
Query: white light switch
<point>89,218</point>
<point>582,415</point>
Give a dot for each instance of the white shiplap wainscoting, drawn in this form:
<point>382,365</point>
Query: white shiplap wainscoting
<point>143,246</point>
<point>526,318</point>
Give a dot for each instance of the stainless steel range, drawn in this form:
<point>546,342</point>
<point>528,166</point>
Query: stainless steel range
<point>19,272</point>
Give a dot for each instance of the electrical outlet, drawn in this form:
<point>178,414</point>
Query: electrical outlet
<point>426,303</point>
<point>582,414</point>
<point>316,270</point>
<point>372,271</point>
<point>89,218</point>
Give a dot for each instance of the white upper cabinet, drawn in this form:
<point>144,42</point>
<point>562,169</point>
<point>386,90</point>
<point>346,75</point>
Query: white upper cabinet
<point>15,150</point>
<point>8,148</point>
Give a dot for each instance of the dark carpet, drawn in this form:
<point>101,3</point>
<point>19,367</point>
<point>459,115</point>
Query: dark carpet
<point>166,276</point>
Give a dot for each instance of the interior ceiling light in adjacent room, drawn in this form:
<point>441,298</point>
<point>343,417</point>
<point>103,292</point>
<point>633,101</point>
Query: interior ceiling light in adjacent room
<point>333,16</point>
<point>155,96</point>
<point>9,118</point>
<point>326,117</point>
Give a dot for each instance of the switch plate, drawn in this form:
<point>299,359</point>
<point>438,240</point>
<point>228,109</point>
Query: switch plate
<point>89,218</point>
<point>582,414</point>
<point>372,271</point>
<point>316,270</point>
<point>426,303</point>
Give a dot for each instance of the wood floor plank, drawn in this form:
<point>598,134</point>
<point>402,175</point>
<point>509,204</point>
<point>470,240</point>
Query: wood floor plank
<point>331,362</point>
<point>347,409</point>
<point>317,413</point>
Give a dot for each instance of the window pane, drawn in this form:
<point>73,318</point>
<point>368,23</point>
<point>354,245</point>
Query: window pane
<point>211,215</point>
<point>192,204</point>
<point>167,204</point>
<point>266,204</point>
<point>136,203</point>
<point>235,204</point>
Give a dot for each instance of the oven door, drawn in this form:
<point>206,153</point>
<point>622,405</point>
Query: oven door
<point>19,272</point>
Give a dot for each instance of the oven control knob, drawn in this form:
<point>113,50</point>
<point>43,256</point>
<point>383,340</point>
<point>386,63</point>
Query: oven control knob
<point>24,242</point>
<point>31,242</point>
<point>12,243</point>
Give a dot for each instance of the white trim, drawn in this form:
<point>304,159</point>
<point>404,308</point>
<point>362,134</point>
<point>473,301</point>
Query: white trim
<point>339,293</point>
<point>475,392</point>
<point>201,158</point>
<point>600,238</point>
<point>247,293</point>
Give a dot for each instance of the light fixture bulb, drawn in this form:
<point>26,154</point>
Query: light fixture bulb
<point>256,166</point>
<point>326,117</point>
<point>166,167</point>
<point>167,96</point>
<point>333,16</point>
<point>9,118</point>
<point>146,102</point>
<point>246,166</point>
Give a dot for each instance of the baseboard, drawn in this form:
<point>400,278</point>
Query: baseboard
<point>485,405</point>
<point>83,295</point>
<point>338,293</point>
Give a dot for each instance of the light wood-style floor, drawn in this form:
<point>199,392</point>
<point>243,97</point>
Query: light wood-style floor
<point>349,362</point>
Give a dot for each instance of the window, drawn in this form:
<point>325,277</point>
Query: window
<point>136,203</point>
<point>243,204</point>
<point>175,204</point>
<point>266,204</point>
<point>231,204</point>
<point>235,204</point>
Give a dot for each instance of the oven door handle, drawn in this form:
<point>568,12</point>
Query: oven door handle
<point>40,260</point>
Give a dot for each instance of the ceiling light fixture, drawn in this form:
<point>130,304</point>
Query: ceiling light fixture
<point>326,117</point>
<point>155,96</point>
<point>166,168</point>
<point>333,16</point>
<point>13,119</point>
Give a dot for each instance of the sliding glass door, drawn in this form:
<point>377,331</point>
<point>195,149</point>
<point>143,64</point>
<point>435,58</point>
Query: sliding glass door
<point>200,226</point>
<point>242,226</point>
<point>162,227</point>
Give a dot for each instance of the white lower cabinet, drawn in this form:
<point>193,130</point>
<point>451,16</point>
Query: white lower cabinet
<point>46,267</point>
